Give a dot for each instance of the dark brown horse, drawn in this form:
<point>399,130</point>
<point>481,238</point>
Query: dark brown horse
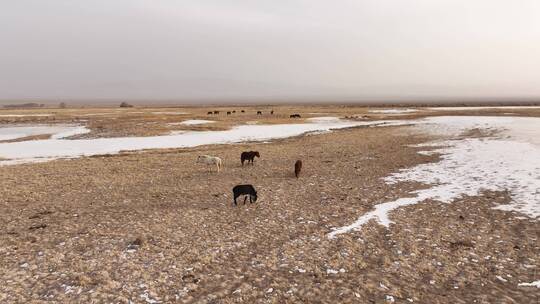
<point>249,156</point>
<point>297,168</point>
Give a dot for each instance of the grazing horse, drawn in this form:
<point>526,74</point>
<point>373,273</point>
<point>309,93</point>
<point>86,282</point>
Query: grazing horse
<point>244,190</point>
<point>259,113</point>
<point>295,116</point>
<point>216,112</point>
<point>234,111</point>
<point>297,168</point>
<point>242,111</point>
<point>210,160</point>
<point>249,156</point>
<point>209,113</point>
<point>228,113</point>
<point>272,112</point>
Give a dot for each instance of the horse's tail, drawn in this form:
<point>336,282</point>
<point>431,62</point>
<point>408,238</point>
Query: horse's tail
<point>297,168</point>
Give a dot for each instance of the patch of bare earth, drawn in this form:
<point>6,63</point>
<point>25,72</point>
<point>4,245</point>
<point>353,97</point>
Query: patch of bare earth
<point>155,226</point>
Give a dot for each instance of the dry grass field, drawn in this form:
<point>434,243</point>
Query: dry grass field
<point>155,227</point>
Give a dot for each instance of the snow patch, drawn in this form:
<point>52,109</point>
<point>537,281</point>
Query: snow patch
<point>43,150</point>
<point>483,108</point>
<point>393,111</point>
<point>196,122</point>
<point>171,113</point>
<point>57,131</point>
<point>531,284</point>
<point>508,161</point>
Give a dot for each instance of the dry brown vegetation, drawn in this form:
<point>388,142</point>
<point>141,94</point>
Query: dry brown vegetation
<point>156,226</point>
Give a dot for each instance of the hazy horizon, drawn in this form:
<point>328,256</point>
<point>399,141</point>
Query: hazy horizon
<point>249,51</point>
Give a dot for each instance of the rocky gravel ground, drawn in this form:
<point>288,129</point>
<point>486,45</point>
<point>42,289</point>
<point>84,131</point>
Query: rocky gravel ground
<point>155,227</point>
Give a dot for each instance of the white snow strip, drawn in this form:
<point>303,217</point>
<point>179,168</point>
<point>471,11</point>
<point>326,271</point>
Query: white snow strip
<point>323,119</point>
<point>531,284</point>
<point>57,131</point>
<point>71,131</point>
<point>393,111</point>
<point>171,113</point>
<point>39,150</point>
<point>509,161</point>
<point>483,108</point>
<point>196,122</point>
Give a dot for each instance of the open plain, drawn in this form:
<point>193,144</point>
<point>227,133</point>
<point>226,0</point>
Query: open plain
<point>153,226</point>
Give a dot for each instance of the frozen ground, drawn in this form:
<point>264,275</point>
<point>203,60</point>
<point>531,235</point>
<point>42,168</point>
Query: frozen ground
<point>41,150</point>
<point>507,161</point>
<point>57,131</point>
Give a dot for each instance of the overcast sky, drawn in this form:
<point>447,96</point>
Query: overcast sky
<point>225,49</point>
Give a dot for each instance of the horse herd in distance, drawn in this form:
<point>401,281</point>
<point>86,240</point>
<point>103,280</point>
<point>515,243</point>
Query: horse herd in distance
<point>247,190</point>
<point>258,113</point>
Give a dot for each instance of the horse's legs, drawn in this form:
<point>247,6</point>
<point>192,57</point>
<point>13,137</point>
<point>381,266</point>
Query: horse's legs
<point>235,203</point>
<point>250,201</point>
<point>245,198</point>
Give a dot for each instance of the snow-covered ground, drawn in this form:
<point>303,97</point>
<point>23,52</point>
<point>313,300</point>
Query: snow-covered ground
<point>170,113</point>
<point>196,122</point>
<point>483,108</point>
<point>42,150</point>
<point>394,111</point>
<point>509,161</point>
<point>57,131</point>
<point>532,284</point>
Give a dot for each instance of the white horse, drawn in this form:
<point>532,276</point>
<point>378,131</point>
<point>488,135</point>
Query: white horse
<point>210,160</point>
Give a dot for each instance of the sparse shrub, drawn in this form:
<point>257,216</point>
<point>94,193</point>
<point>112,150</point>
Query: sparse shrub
<point>125,105</point>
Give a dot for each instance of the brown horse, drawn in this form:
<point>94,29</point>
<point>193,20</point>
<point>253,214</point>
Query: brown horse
<point>297,168</point>
<point>249,156</point>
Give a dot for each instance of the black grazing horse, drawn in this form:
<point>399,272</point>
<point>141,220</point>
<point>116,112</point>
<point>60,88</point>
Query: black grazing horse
<point>242,111</point>
<point>259,113</point>
<point>216,112</point>
<point>249,156</point>
<point>272,112</point>
<point>295,116</point>
<point>297,168</point>
<point>210,113</point>
<point>228,113</point>
<point>244,190</point>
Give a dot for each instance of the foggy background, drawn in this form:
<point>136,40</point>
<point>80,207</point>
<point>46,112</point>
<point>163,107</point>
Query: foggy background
<point>224,50</point>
